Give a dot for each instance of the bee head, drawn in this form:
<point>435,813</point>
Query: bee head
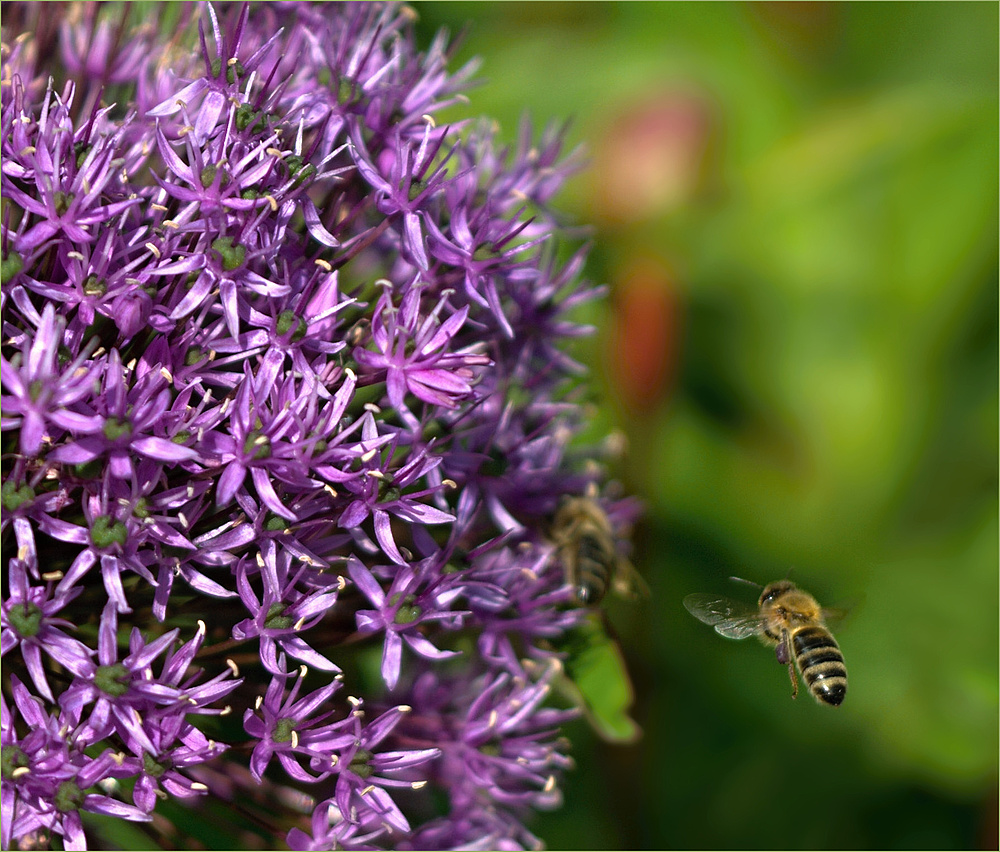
<point>773,590</point>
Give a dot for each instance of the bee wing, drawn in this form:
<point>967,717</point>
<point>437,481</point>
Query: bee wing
<point>628,582</point>
<point>843,614</point>
<point>732,619</point>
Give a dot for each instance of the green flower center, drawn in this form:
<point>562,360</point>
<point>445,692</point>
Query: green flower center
<point>106,531</point>
<point>276,619</point>
<point>245,116</point>
<point>151,766</point>
<point>115,429</point>
<point>232,254</point>
<point>416,187</point>
<point>94,286</point>
<point>299,169</point>
<point>61,201</point>
<point>11,758</point>
<point>257,446</point>
<point>490,749</point>
<point>283,731</point>
<point>360,763</point>
<point>290,321</point>
<point>69,797</point>
<point>233,71</point>
<point>89,470</point>
<point>275,524</point>
<point>109,679</point>
<point>14,496</point>
<point>10,266</point>
<point>485,252</point>
<point>26,619</point>
<point>408,611</point>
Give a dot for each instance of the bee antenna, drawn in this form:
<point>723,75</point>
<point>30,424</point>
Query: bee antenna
<point>748,582</point>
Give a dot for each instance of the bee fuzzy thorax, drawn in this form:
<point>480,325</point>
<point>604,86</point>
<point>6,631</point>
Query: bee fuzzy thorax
<point>790,597</point>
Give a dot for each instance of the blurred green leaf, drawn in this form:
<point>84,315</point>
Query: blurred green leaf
<point>596,680</point>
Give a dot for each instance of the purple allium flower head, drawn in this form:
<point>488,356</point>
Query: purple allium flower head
<point>287,412</point>
<point>41,394</point>
<point>47,773</point>
<point>28,624</point>
<point>402,614</point>
<point>289,727</point>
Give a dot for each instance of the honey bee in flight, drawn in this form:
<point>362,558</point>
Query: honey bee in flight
<point>585,540</point>
<point>791,621</point>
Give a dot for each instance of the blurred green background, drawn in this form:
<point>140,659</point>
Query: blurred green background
<point>796,212</point>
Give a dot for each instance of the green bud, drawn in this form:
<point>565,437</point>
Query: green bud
<point>14,497</point>
<point>10,266</point>
<point>26,619</point>
<point>104,532</point>
<point>232,254</point>
<point>110,679</point>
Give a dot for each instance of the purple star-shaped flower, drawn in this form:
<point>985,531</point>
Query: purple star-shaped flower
<point>400,613</point>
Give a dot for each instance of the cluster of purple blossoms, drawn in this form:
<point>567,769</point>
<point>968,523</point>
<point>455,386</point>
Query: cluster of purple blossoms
<point>286,414</point>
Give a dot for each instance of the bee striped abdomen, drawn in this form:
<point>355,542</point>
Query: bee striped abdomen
<point>821,663</point>
<point>594,569</point>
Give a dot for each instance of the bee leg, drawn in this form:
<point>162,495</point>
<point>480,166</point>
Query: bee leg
<point>784,654</point>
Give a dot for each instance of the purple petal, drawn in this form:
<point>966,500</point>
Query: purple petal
<point>111,573</point>
<point>316,229</point>
<point>75,453</point>
<point>144,794</point>
<point>414,240</point>
<point>365,580</point>
<point>380,801</point>
<point>107,635</point>
<point>422,513</point>
<point>120,464</point>
<point>449,328</point>
<point>173,103</point>
<point>298,649</point>
<point>369,621</point>
<point>163,450</point>
<point>32,656</point>
<point>81,565</point>
<point>392,656</point>
<point>260,758</point>
<point>72,421</point>
<point>423,647</point>
<point>269,497</point>
<point>353,515</point>
<point>74,840</point>
<point>231,479</point>
<point>383,533</point>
